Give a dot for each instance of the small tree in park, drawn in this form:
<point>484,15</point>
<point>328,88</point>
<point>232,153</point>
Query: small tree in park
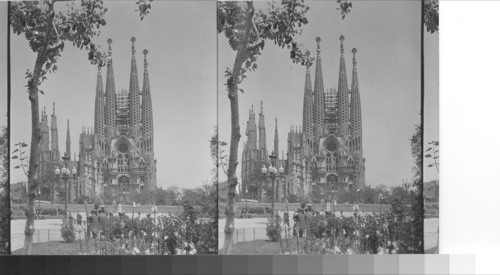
<point>247,30</point>
<point>4,192</point>
<point>47,31</point>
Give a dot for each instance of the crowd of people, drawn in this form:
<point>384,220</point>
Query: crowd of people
<point>305,213</point>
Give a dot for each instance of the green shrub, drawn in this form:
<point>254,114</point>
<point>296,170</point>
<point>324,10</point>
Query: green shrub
<point>273,230</point>
<point>68,232</point>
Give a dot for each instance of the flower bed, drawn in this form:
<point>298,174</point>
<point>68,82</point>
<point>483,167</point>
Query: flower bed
<point>186,233</point>
<point>392,232</point>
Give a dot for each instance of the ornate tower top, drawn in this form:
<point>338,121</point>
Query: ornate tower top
<point>318,40</point>
<point>145,52</point>
<point>354,51</point>
<point>133,46</point>
<point>110,41</point>
<point>342,44</point>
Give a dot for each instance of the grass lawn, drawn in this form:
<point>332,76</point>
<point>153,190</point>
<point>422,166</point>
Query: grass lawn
<point>57,248</point>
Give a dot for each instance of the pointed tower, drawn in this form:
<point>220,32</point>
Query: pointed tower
<point>110,109</point>
<point>54,144</point>
<point>307,112</point>
<point>68,143</point>
<point>355,108</point>
<point>319,94</point>
<point>45,139</point>
<point>251,131</point>
<point>276,140</point>
<point>250,152</point>
<point>262,134</point>
<point>99,121</point>
<point>134,99</point>
<point>147,110</point>
<point>343,95</point>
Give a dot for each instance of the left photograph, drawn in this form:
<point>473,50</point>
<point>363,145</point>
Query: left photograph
<point>113,140</point>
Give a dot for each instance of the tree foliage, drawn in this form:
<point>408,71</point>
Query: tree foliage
<point>417,207</point>
<point>4,192</point>
<point>431,15</point>
<point>47,30</point>
<point>247,30</point>
<point>432,153</point>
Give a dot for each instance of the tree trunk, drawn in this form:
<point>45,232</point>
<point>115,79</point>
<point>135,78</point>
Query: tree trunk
<point>232,87</point>
<point>33,83</point>
<point>34,157</point>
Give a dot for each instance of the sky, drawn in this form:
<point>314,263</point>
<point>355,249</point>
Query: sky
<point>431,98</point>
<point>181,40</point>
<point>387,37</point>
<point>3,61</point>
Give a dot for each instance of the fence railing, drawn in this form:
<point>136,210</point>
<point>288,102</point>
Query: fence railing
<point>46,235</point>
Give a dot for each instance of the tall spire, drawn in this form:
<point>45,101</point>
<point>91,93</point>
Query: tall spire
<point>355,108</point>
<point>262,133</point>
<point>307,112</point>
<point>68,143</point>
<point>45,138</point>
<point>147,108</point>
<point>343,94</point>
<point>276,140</point>
<point>54,145</point>
<point>251,131</point>
<point>110,110</point>
<point>319,93</point>
<point>99,105</point>
<point>134,99</point>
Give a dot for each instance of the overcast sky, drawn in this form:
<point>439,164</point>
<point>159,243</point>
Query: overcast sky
<point>3,62</point>
<point>181,40</point>
<point>431,106</point>
<point>387,37</point>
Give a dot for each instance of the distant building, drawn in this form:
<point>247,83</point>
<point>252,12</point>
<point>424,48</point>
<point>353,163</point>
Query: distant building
<point>327,153</point>
<point>119,152</point>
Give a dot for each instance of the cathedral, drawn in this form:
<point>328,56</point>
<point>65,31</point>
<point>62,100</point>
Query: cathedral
<point>325,154</point>
<point>119,152</point>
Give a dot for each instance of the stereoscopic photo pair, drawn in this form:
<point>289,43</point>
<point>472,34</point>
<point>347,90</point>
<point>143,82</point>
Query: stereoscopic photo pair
<point>139,128</point>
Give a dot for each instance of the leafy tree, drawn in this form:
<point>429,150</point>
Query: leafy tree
<point>417,206</point>
<point>4,192</point>
<point>431,15</point>
<point>47,32</point>
<point>433,154</point>
<point>173,195</point>
<point>246,31</point>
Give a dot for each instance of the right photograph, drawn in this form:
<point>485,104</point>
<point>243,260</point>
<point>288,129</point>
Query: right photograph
<point>320,135</point>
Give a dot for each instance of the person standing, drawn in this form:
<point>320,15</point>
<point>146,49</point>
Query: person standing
<point>94,223</point>
<point>301,222</point>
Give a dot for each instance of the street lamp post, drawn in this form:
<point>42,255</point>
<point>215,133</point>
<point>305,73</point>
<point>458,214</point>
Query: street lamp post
<point>246,198</point>
<point>39,195</point>
<point>272,173</point>
<point>65,174</point>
